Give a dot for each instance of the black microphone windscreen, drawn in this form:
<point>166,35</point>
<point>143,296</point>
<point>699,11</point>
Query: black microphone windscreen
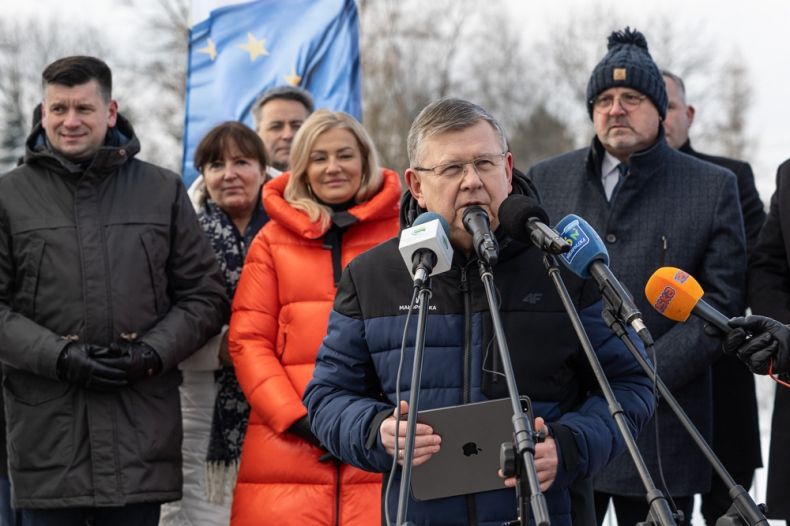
<point>514,213</point>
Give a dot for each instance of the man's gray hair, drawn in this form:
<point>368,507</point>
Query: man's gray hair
<point>283,92</point>
<point>678,82</point>
<point>447,115</point>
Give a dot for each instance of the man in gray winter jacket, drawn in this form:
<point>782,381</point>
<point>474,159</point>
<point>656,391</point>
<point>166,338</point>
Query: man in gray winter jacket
<point>654,207</point>
<point>106,283</point>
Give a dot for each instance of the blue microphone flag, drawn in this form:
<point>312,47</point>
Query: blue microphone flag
<point>586,245</point>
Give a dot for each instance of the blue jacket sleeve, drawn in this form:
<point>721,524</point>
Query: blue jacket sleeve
<point>343,398</point>
<point>594,431</point>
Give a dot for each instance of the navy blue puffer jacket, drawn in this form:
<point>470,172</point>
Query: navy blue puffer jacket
<point>354,380</point>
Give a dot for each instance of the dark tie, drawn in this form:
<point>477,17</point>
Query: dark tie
<point>623,169</point>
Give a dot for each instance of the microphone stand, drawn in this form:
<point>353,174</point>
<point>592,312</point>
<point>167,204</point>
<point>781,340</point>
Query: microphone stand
<point>743,510</point>
<point>424,296</point>
<point>522,427</point>
<point>660,513</point>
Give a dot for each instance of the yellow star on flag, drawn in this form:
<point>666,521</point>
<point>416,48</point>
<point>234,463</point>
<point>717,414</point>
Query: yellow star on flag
<point>254,47</point>
<point>292,78</point>
<point>210,50</point>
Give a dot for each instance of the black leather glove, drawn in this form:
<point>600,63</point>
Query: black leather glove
<point>137,359</point>
<point>77,364</point>
<point>301,428</point>
<point>770,340</point>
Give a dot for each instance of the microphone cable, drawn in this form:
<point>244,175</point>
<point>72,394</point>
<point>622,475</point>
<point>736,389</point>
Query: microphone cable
<point>494,357</point>
<point>650,350</point>
<point>397,406</point>
<point>776,377</point>
<point>657,398</point>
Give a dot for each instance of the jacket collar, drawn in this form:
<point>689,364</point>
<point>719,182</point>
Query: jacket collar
<point>120,145</point>
<point>383,204</point>
<point>642,164</point>
<point>686,148</point>
<point>213,212</point>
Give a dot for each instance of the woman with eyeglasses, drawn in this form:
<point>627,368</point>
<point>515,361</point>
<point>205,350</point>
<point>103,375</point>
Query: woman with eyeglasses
<point>334,204</point>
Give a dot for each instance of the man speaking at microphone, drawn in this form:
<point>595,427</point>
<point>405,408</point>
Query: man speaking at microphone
<point>653,206</point>
<point>458,159</point>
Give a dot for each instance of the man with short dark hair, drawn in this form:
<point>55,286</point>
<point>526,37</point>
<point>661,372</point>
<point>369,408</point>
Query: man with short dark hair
<point>734,397</point>
<point>458,156</point>
<point>653,207</point>
<point>279,113</point>
<point>106,283</point>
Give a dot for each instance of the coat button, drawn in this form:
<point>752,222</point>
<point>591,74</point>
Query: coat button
<point>611,238</point>
<point>122,152</point>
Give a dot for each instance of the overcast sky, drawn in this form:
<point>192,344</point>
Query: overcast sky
<point>758,30</point>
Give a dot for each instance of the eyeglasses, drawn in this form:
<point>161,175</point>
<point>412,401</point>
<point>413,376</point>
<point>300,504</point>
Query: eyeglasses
<point>628,101</point>
<point>484,165</point>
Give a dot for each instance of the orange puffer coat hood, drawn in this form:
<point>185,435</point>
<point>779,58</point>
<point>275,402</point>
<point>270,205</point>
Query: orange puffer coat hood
<point>280,314</point>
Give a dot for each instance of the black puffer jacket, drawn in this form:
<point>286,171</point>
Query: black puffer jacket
<point>91,254</point>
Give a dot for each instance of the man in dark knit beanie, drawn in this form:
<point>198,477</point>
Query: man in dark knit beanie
<point>628,64</point>
<point>654,207</point>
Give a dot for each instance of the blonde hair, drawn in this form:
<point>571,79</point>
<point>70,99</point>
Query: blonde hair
<point>297,191</point>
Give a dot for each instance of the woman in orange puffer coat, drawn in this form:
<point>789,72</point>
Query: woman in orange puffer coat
<point>334,204</point>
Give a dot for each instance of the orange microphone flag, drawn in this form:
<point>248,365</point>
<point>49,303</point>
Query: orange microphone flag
<point>673,292</point>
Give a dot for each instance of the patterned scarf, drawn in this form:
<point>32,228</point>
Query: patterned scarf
<point>231,410</point>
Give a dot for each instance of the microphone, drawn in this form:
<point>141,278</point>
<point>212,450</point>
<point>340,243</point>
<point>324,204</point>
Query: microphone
<point>476,223</point>
<point>676,294</point>
<point>588,257</point>
<point>425,247</point>
<point>525,220</point>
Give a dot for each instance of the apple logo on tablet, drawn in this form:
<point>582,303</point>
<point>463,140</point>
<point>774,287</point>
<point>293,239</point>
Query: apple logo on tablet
<point>470,448</point>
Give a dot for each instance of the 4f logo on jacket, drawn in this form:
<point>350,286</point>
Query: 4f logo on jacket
<point>533,297</point>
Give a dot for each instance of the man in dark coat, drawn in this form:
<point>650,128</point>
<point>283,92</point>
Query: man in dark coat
<point>734,397</point>
<point>106,283</point>
<point>769,294</point>
<point>8,516</point>
<point>654,207</point>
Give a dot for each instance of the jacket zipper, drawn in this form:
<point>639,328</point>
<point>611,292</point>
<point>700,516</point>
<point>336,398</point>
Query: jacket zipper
<point>471,508</point>
<point>337,492</point>
<point>663,258</point>
<point>467,332</point>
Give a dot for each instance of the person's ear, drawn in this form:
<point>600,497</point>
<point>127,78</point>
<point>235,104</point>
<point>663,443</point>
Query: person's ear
<point>690,112</point>
<point>509,171</point>
<point>112,114</point>
<point>414,183</point>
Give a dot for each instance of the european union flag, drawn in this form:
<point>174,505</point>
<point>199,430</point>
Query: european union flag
<point>241,50</point>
